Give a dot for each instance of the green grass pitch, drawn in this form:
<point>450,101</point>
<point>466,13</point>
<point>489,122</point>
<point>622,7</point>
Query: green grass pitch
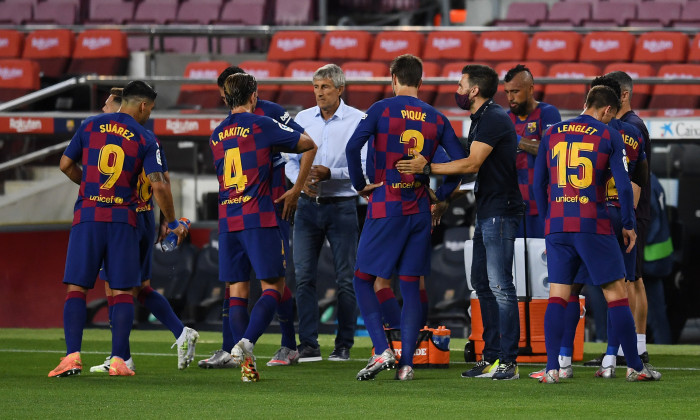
<point>319,390</point>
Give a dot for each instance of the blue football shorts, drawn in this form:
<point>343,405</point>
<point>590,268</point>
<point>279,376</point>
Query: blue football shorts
<point>260,249</point>
<point>146,228</point>
<point>567,251</point>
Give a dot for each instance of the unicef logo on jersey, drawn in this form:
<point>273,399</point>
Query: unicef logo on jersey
<point>284,127</point>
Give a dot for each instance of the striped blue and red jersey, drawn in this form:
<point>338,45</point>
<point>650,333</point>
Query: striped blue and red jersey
<point>400,125</point>
<point>279,114</point>
<point>144,191</point>
<point>531,127</point>
<point>634,149</point>
<point>113,150</point>
<point>573,163</point>
<point>242,149</point>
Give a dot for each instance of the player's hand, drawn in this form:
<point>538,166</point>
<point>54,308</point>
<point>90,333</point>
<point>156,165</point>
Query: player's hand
<point>290,198</point>
<point>412,166</point>
<point>437,210</point>
<point>181,231</point>
<point>319,173</point>
<point>630,238</point>
<point>368,189</point>
<point>433,197</point>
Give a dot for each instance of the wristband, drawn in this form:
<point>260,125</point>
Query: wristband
<point>173,225</point>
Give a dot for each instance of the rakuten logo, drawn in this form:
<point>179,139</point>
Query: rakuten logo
<point>341,43</point>
<point>8,73</point>
<point>24,125</point>
<point>302,74</point>
<point>446,43</point>
<point>359,73</point>
<point>97,43</point>
<point>549,45</point>
<point>602,45</point>
<point>203,74</point>
<point>393,45</point>
<point>4,42</point>
<point>42,44</point>
<point>181,126</point>
<point>494,45</point>
<point>677,76</point>
<point>655,46</point>
<point>570,75</point>
<point>260,73</point>
<point>291,44</point>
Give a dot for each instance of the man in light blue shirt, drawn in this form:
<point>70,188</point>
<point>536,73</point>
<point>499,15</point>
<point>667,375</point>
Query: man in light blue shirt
<point>327,210</point>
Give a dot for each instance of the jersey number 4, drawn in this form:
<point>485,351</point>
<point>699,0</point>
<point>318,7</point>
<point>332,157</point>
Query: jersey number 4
<point>233,170</point>
<point>568,155</point>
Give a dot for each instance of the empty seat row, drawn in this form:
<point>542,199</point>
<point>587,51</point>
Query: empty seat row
<point>59,52</point>
<point>446,46</point>
<point>362,96</point>
<point>592,13</point>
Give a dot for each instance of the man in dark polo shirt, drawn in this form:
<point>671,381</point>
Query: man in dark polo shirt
<point>492,146</point>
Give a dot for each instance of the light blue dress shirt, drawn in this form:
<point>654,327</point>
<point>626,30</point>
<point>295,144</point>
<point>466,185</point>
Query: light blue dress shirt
<point>331,136</point>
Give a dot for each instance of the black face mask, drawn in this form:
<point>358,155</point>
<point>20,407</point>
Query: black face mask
<point>463,101</point>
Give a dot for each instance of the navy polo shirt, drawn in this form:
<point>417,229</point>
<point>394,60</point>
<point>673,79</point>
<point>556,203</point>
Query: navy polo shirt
<point>496,189</point>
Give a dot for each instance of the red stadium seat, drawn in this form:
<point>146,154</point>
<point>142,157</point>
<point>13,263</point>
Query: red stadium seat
<point>198,12</point>
<point>554,46</point>
<point>607,47</point>
<point>11,43</point>
<point>494,47</point>
<point>15,13</point>
<point>202,96</point>
<point>17,78</point>
<point>677,96</point>
<point>657,48</point>
<point>569,96</point>
<point>426,93</point>
<point>51,48</point>
<point>616,14</point>
<point>264,70</point>
<point>445,97</point>
<point>255,11</point>
<point>390,44</point>
<point>524,14</point>
<point>568,14</point>
<point>57,13</point>
<point>287,46</point>
<point>363,96</point>
<point>536,68</point>
<point>640,92</point>
<point>155,11</point>
<point>657,11</point>
<point>300,95</point>
<point>342,46</point>
<point>111,12</point>
<point>447,46</point>
<point>100,52</point>
<point>690,15</point>
<point>694,53</point>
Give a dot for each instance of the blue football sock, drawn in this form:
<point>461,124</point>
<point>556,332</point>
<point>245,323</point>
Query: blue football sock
<point>411,316</point>
<point>613,342</point>
<point>571,318</point>
<point>554,330</point>
<point>74,318</point>
<point>110,307</point>
<point>122,320</point>
<point>622,323</point>
<point>370,309</point>
<point>285,315</point>
<point>262,314</point>
<point>391,312</point>
<point>161,309</point>
<point>238,319</point>
<point>227,343</point>
<point>424,307</point>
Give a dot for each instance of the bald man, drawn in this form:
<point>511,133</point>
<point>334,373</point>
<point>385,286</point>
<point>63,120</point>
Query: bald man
<point>531,119</point>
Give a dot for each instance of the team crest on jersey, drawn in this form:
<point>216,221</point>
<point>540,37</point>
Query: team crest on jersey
<point>531,127</point>
<point>364,116</point>
<point>284,127</point>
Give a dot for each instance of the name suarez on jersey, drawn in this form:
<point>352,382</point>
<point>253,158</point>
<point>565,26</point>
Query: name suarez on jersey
<point>576,128</point>
<point>116,129</point>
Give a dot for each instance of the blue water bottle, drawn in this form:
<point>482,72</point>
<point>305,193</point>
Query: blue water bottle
<point>170,242</point>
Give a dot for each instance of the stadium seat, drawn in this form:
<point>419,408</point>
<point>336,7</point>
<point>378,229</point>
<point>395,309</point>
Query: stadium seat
<point>288,46</point>
<point>651,12</point>
<point>159,12</point>
<point>300,95</point>
<point>523,14</point>
<point>390,44</point>
<point>617,14</point>
<point>18,77</point>
<point>536,68</point>
<point>111,12</point>
<point>198,12</point>
<point>554,46</point>
<point>640,92</point>
<point>694,52</point>
<point>494,47</point>
<point>52,49</point>
<point>57,13</point>
<point>294,12</point>
<point>100,52</point>
<point>255,12</point>
<point>569,97</point>
<point>658,48</point>
<point>567,14</point>
<point>445,96</point>
<point>363,96</point>
<point>11,43</point>
<point>448,46</point>
<point>15,13</point>
<point>606,47</point>
<point>342,46</point>
<point>677,96</point>
<point>201,96</point>
<point>690,15</point>
<point>264,70</point>
<point>426,93</point>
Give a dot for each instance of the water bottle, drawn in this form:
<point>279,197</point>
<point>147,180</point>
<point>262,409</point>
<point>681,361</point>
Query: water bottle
<point>170,242</point>
<point>441,338</point>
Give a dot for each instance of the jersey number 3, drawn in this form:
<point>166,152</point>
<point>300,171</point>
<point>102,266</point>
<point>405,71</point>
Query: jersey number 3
<point>414,139</point>
<point>233,170</point>
<point>568,155</point>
